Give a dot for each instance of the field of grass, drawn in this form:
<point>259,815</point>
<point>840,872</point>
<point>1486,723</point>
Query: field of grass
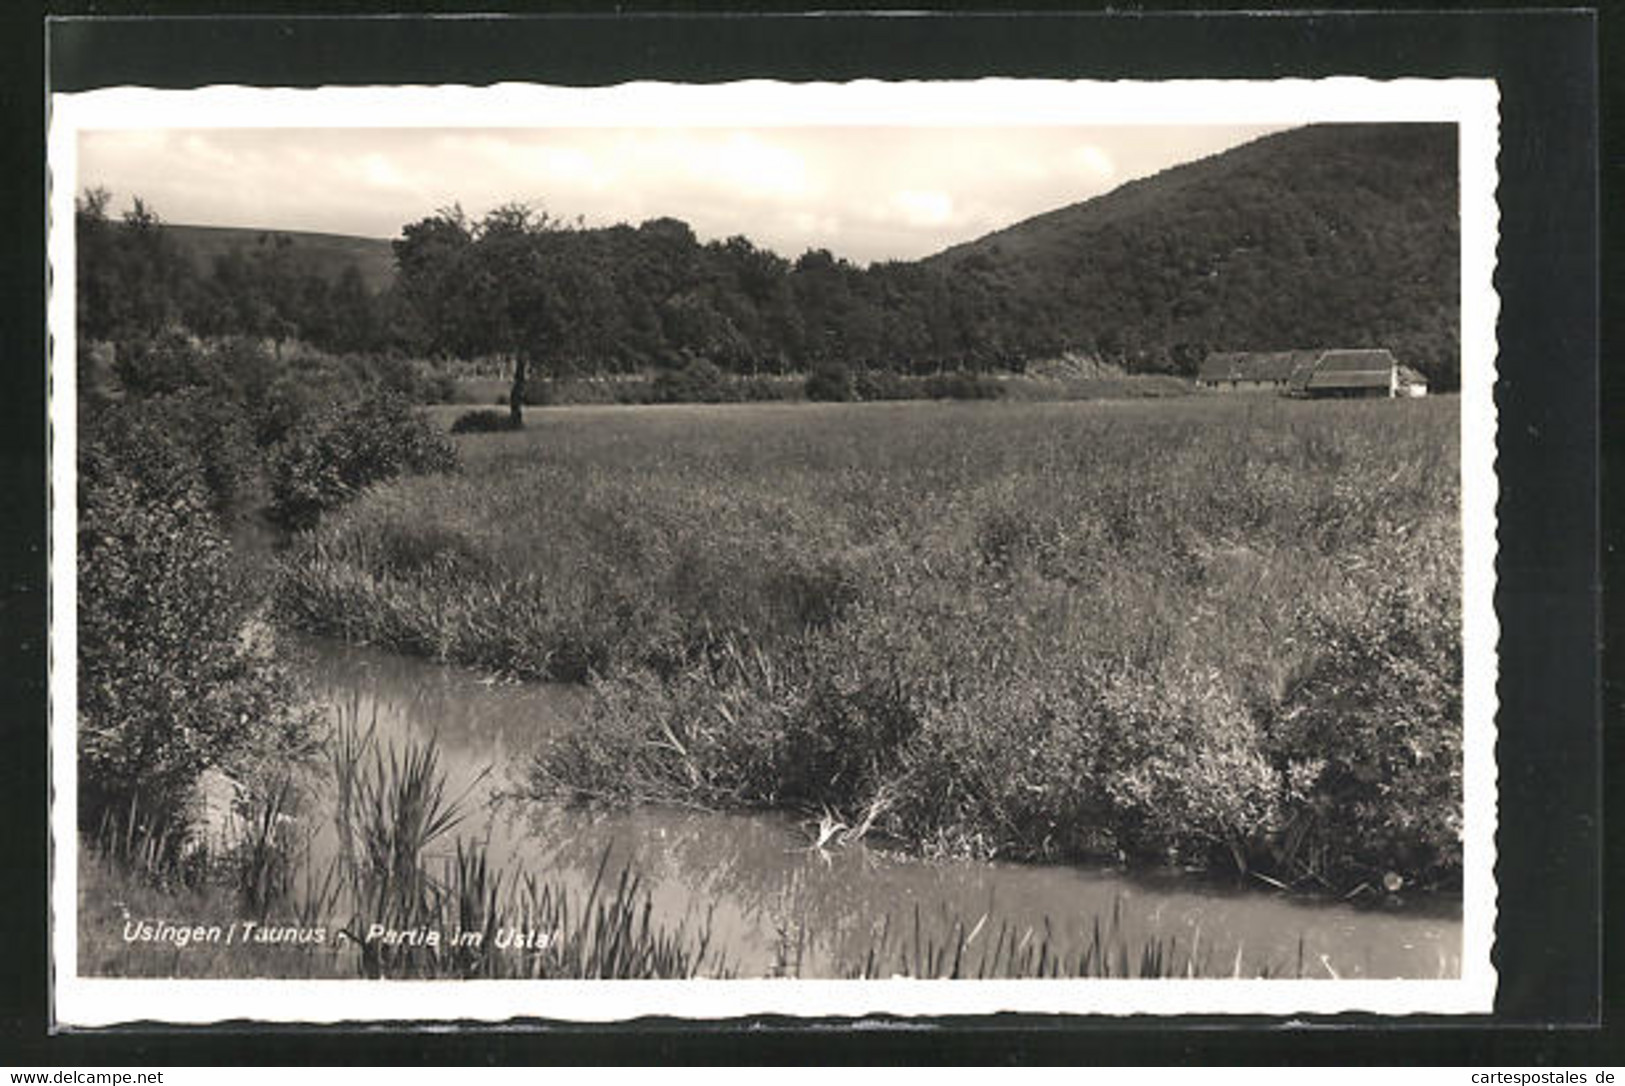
<point>1213,629</point>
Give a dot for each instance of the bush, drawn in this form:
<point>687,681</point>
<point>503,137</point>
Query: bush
<point>175,673</point>
<point>202,428</point>
<point>884,385</point>
<point>1183,769</point>
<point>1369,738</point>
<point>409,378</point>
<point>763,389</point>
<point>831,383</point>
<point>699,381</point>
<point>484,421</point>
<point>330,457</point>
<point>162,364</point>
<point>962,386</point>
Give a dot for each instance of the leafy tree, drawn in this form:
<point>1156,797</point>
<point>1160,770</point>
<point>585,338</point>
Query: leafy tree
<point>483,288</point>
<point>131,281</point>
<point>96,268</point>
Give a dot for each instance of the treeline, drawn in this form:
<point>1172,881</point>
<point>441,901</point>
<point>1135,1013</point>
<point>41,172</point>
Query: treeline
<point>1329,236</point>
<point>135,282</point>
<point>1336,235</point>
<point>624,299</point>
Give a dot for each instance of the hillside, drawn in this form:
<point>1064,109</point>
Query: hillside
<point>1334,234</point>
<point>324,254</point>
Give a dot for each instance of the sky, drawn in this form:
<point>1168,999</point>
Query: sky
<point>864,193</point>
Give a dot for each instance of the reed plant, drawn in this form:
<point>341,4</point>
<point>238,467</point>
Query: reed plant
<point>266,852</point>
<point>1039,630</point>
<point>989,949</point>
<point>392,806</point>
<point>393,812</point>
<point>611,932</point>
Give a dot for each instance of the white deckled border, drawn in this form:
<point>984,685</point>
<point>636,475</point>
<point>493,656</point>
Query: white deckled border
<point>1471,104</point>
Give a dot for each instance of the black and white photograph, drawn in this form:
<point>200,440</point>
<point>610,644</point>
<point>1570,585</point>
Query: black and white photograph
<point>922,547</point>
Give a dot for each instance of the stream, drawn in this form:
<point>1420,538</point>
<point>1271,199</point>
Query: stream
<point>772,899</point>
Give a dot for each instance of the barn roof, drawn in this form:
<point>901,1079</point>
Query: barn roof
<point>1353,369</point>
<point>1408,376</point>
<point>1255,365</point>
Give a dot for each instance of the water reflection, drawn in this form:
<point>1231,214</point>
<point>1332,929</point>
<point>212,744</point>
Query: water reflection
<point>774,901</point>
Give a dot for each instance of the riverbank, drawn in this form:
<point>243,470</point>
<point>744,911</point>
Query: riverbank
<point>1204,629</point>
<point>769,893</point>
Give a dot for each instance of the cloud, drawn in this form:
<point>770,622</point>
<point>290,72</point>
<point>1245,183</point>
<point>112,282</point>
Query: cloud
<point>813,225</point>
<point>378,170</point>
<point>1093,161</point>
<point>924,207</point>
<point>553,164</point>
<point>751,165</point>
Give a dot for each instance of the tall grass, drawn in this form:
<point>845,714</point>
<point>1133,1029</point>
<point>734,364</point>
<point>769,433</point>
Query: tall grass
<point>991,949</point>
<point>392,809</point>
<point>1039,630</point>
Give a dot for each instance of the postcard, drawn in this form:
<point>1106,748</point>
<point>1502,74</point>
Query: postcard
<point>827,549</point>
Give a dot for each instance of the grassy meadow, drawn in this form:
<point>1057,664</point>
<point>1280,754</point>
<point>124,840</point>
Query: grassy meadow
<point>1217,630</point>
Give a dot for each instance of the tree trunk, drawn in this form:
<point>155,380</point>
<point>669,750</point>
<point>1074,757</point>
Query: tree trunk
<point>516,396</point>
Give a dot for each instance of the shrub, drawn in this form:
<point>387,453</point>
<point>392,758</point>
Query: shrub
<point>1369,738</point>
<point>1183,768</point>
<point>884,385</point>
<point>830,383</point>
<point>411,378</point>
<point>200,427</point>
<point>484,421</point>
<point>763,389</point>
<point>699,381</point>
<point>962,386</point>
<point>332,456</point>
<point>173,677</point>
<point>640,391</point>
<point>161,364</point>
<point>549,391</point>
<point>282,406</point>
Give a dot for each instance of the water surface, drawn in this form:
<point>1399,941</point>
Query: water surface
<point>776,904</point>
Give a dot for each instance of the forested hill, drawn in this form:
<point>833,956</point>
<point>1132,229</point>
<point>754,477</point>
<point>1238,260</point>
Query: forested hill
<point>1334,234</point>
<point>325,255</point>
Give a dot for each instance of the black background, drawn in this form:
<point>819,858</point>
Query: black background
<point>1550,754</point>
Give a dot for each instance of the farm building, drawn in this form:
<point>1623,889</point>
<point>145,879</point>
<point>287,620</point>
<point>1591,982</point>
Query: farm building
<point>1367,372</point>
<point>1354,374</point>
<point>1411,383</point>
<point>1242,371</point>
